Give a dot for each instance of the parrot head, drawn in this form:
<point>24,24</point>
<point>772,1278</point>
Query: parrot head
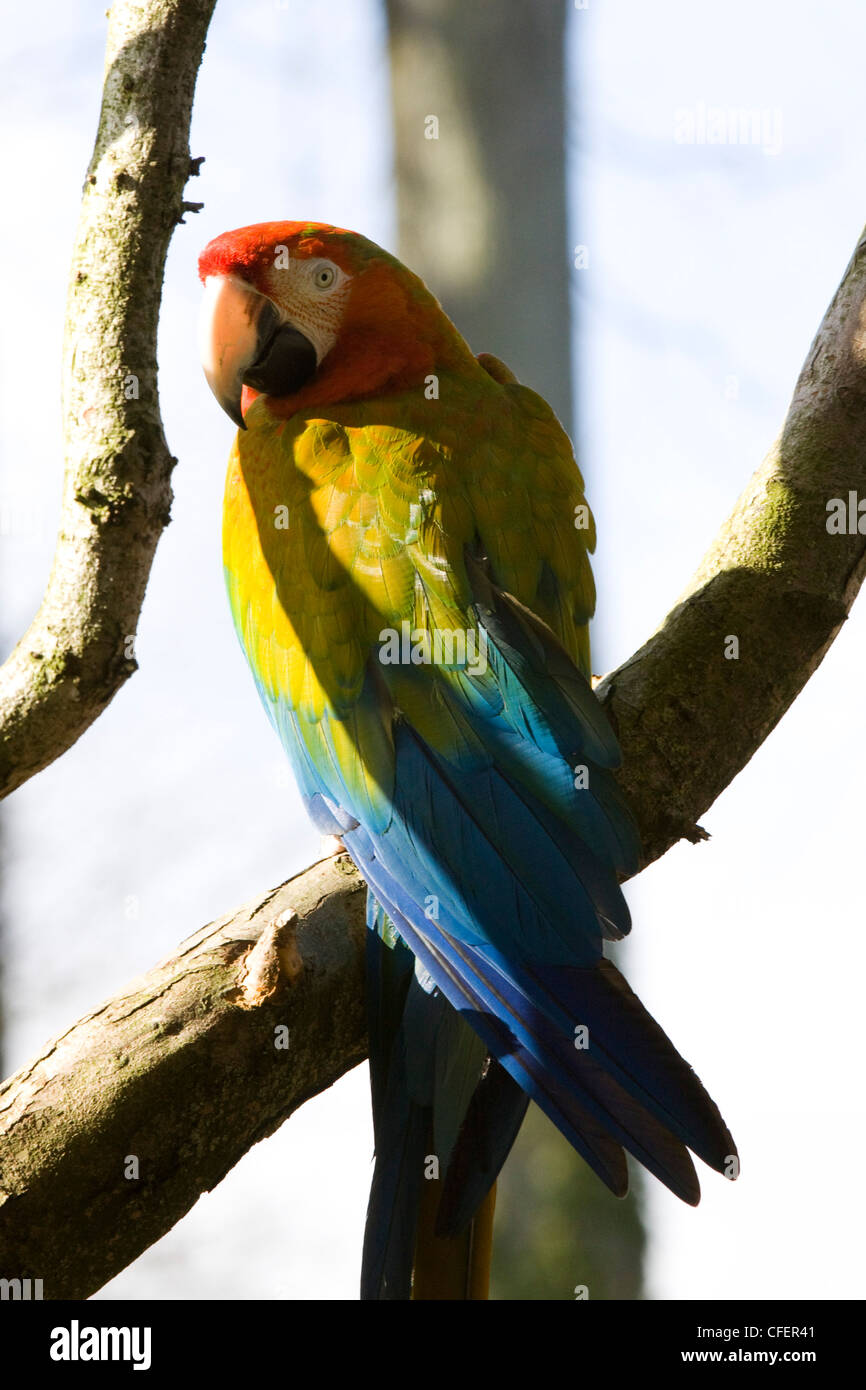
<point>308,314</point>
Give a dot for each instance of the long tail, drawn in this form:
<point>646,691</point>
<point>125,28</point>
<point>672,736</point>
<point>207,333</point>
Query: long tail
<point>452,1267</point>
<point>577,1040</point>
<point>445,1117</point>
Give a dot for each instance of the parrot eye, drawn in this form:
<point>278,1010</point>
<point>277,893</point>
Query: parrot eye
<point>324,276</point>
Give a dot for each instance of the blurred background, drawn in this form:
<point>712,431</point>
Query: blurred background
<point>644,210</point>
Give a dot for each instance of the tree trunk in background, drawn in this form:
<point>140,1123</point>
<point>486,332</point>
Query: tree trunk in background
<point>479,134</point>
<point>482,215</point>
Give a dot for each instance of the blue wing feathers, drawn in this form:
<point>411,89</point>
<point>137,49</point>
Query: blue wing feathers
<point>496,871</point>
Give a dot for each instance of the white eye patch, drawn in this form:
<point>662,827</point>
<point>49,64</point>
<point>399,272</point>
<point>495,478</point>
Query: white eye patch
<point>312,295</point>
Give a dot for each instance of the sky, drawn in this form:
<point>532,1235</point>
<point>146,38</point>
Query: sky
<point>707,270</point>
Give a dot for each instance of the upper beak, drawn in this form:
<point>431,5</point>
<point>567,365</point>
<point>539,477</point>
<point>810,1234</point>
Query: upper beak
<point>244,341</point>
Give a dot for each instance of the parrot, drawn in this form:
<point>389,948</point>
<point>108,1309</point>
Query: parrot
<point>406,544</point>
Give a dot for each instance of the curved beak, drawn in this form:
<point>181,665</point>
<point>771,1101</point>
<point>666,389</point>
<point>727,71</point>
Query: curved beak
<point>244,341</point>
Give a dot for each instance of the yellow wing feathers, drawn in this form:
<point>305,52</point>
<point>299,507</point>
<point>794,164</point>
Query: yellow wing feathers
<point>337,528</point>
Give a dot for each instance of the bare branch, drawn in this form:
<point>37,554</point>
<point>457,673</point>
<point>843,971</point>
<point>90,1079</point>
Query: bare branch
<point>114,1131</point>
<point>79,649</point>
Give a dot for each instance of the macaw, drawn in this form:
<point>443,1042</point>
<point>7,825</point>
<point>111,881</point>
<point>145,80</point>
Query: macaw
<point>406,544</point>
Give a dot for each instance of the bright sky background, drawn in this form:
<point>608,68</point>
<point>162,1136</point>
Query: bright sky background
<point>709,270</point>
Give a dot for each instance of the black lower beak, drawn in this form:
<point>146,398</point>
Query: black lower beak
<point>285,364</point>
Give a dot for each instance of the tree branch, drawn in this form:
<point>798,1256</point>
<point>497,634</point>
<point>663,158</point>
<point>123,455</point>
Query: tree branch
<point>80,647</point>
<point>688,717</point>
<point>111,1134</point>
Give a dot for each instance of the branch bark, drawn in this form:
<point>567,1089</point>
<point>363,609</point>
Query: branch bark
<point>79,649</point>
<point>114,1131</point>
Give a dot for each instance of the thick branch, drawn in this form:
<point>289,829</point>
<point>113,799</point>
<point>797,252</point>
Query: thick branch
<point>79,649</point>
<point>113,1133</point>
<point>689,717</point>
